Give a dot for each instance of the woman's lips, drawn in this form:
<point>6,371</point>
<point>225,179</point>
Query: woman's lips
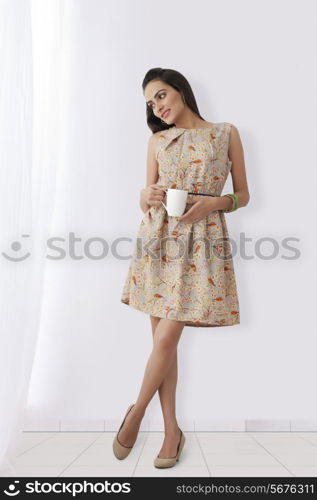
<point>166,113</point>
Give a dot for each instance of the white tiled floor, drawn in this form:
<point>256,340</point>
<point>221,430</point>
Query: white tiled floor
<point>205,454</point>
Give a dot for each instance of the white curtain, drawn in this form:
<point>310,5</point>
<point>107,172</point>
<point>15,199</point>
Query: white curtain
<point>32,70</point>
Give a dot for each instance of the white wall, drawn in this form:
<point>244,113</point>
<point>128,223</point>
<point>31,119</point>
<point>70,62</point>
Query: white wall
<point>251,64</point>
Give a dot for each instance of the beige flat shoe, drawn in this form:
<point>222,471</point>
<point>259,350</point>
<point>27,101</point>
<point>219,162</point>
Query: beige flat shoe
<point>119,449</point>
<point>162,463</point>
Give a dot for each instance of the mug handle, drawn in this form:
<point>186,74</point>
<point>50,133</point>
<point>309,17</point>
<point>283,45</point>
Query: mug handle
<point>164,205</point>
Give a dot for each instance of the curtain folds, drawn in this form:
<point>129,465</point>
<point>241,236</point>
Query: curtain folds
<point>31,77</point>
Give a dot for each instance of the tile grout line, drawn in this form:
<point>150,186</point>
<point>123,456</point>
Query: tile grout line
<point>201,451</point>
<point>65,468</point>
<point>141,451</point>
<point>37,444</point>
<point>307,441</point>
<point>284,466</point>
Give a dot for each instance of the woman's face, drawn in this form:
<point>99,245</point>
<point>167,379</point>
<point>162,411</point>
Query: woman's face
<point>161,97</point>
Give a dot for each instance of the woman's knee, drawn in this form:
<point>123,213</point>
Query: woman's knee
<point>168,334</point>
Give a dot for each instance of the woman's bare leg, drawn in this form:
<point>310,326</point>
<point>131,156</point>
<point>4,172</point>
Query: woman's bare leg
<point>167,394</point>
<point>167,389</point>
<point>167,335</point>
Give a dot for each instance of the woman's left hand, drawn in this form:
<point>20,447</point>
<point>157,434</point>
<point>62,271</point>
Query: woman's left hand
<point>202,206</point>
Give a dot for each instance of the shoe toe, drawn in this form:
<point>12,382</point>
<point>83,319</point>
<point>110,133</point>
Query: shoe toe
<point>120,451</point>
<point>164,463</point>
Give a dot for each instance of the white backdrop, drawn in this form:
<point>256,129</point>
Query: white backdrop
<point>251,64</point>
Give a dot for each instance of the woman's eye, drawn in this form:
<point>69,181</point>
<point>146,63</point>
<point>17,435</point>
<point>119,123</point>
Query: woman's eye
<point>160,95</point>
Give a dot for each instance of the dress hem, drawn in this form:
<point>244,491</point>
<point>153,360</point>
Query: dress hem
<point>196,324</point>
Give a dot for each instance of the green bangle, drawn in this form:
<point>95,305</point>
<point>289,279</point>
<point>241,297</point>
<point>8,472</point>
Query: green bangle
<point>234,197</point>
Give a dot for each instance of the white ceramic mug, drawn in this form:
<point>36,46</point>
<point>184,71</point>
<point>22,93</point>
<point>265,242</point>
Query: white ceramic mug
<point>175,201</point>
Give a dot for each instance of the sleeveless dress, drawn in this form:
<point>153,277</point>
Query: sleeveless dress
<point>184,271</point>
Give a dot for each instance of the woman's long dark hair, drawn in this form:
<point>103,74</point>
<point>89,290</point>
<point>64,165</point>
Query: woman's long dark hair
<point>179,83</point>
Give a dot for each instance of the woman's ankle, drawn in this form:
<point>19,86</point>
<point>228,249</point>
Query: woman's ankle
<point>171,428</point>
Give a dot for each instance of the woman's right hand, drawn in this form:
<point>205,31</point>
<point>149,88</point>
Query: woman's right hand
<point>154,194</point>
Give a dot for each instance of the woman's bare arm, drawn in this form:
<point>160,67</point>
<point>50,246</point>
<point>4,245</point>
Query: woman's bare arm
<point>238,172</point>
<point>151,170</point>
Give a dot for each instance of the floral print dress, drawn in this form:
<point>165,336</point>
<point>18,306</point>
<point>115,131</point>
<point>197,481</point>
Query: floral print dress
<point>184,271</point>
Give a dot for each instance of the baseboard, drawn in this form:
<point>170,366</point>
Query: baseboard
<point>38,424</point>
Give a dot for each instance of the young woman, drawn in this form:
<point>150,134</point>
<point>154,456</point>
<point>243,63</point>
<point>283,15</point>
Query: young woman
<point>198,287</point>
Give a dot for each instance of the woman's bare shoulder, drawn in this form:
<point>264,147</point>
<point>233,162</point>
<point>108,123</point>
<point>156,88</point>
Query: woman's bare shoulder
<point>154,138</point>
